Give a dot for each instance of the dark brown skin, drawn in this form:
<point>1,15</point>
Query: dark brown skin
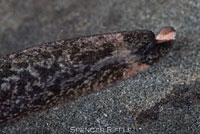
<point>40,77</point>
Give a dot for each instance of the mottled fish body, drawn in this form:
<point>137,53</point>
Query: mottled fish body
<point>39,77</point>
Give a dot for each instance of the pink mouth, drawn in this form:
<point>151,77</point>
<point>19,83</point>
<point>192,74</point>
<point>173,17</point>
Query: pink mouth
<point>166,34</point>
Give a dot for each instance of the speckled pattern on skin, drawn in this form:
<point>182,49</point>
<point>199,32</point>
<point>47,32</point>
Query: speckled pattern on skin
<point>39,77</point>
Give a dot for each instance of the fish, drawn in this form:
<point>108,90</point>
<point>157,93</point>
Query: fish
<point>42,76</point>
